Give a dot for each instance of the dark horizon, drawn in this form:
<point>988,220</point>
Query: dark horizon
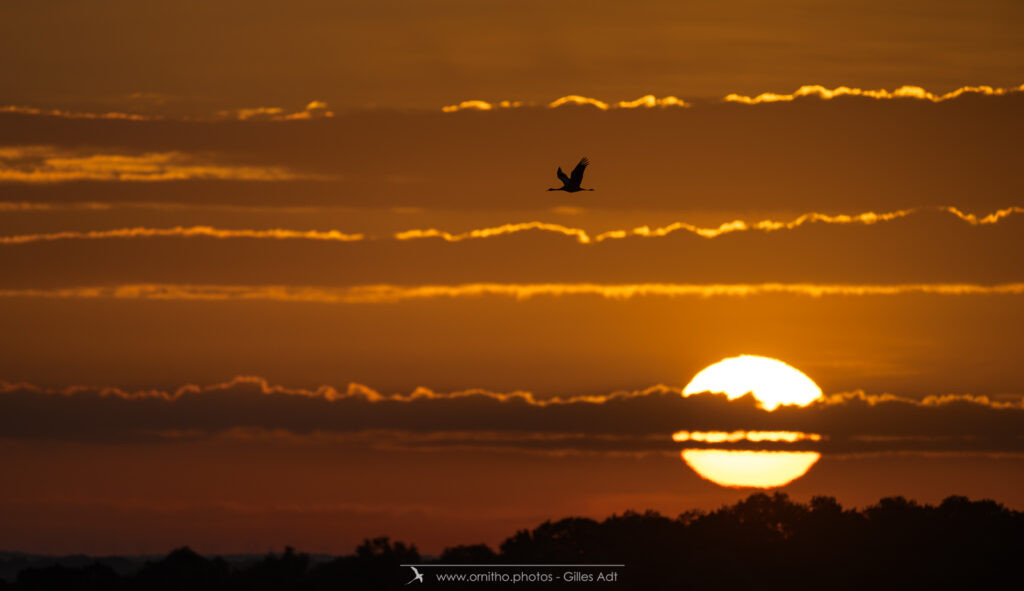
<point>780,543</point>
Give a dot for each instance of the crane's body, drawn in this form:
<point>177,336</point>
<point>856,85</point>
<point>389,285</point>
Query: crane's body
<point>571,183</point>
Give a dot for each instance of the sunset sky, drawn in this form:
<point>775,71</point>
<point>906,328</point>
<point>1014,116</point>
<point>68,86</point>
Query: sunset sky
<point>289,273</point>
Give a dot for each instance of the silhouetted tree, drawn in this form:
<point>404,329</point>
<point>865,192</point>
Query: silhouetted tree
<point>764,541</point>
<point>375,565</point>
<point>95,577</point>
<point>285,572</point>
<point>474,554</point>
<point>183,570</point>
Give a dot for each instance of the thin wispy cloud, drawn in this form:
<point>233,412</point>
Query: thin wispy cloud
<point>582,236</point>
<point>317,109</point>
<point>578,234</point>
<point>21,206</point>
<point>903,92</point>
<point>53,206</point>
<point>650,101</point>
<point>646,101</point>
<point>184,232</point>
<point>25,110</point>
<point>387,294</point>
<point>313,110</point>
<point>47,164</point>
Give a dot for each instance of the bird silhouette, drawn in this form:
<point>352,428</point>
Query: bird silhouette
<point>571,183</point>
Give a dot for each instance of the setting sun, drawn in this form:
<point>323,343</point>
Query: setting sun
<point>754,469</point>
<point>772,382</point>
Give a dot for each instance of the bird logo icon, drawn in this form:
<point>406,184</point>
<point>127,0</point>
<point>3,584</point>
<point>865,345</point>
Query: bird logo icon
<point>417,576</point>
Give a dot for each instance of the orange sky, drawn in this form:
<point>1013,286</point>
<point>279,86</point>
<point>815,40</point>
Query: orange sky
<point>197,57</point>
<point>194,192</point>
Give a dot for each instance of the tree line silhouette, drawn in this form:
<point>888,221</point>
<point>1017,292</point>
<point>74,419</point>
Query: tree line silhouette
<point>763,542</point>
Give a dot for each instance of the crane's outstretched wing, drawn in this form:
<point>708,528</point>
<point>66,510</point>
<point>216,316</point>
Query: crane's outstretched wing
<point>577,173</point>
<point>562,177</point>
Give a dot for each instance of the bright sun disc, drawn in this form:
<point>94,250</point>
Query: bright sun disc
<point>772,382</point>
<point>755,469</point>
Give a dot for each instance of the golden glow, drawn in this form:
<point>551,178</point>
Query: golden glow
<point>477,105</point>
<point>473,105</point>
<point>772,382</point>
<point>755,469</point>
<point>752,436</point>
<point>257,113</point>
<point>649,101</point>
<point>383,293</point>
<point>575,99</point>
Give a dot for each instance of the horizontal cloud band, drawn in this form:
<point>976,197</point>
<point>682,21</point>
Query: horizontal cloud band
<point>580,235</point>
<point>318,109</point>
<point>382,294</point>
<point>650,101</point>
<point>629,421</point>
<point>47,164</point>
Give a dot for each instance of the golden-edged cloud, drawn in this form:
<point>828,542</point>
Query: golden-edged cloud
<point>184,232</point>
<point>583,237</point>
<point>911,92</point>
<point>331,394</point>
<point>21,206</point>
<point>319,109</point>
<point>578,234</point>
<point>385,294</point>
<point>813,90</point>
<point>262,386</point>
<point>932,400</point>
<point>23,110</point>
<point>478,105</point>
<point>656,419</point>
<point>646,101</point>
<point>313,110</point>
<point>47,164</point>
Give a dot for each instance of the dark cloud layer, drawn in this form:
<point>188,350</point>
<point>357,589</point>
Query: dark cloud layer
<point>627,421</point>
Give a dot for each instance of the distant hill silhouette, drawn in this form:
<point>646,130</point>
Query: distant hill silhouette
<point>763,542</point>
